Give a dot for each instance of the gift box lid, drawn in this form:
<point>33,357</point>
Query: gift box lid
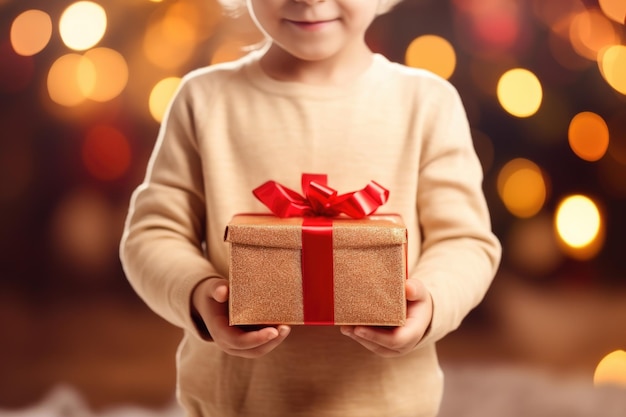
<point>271,231</point>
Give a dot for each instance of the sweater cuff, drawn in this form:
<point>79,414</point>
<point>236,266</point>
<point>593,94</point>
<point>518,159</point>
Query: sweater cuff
<point>191,320</point>
<point>440,325</point>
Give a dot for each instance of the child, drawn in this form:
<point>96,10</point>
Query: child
<point>314,99</point>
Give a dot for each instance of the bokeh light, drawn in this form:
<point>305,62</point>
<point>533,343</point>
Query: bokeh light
<point>229,51</point>
<point>83,230</point>
<point>562,49</point>
<point>532,247</point>
<point>611,370</point>
<point>70,79</point>
<point>522,187</point>
<point>579,226</point>
<point>496,24</point>
<point>614,9</point>
<point>491,28</point>
<point>106,152</point>
<point>612,62</point>
<point>169,41</point>
<point>161,96</point>
<point>588,136</point>
<point>174,32</point>
<point>30,32</point>
<point>552,12</point>
<point>111,74</point>
<point>82,25</point>
<point>590,32</point>
<point>520,92</point>
<point>432,53</point>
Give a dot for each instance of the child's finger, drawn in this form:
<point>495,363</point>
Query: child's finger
<point>371,345</point>
<point>415,290</point>
<point>218,288</point>
<point>259,342</point>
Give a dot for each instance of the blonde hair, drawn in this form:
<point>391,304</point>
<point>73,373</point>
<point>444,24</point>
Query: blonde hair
<point>237,7</point>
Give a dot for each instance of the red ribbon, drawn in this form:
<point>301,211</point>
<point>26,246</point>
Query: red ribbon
<point>317,206</point>
<point>319,199</point>
<point>318,282</point>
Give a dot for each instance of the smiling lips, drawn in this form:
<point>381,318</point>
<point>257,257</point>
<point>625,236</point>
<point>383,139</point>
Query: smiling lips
<point>311,26</point>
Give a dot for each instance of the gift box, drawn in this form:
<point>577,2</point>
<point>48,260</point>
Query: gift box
<point>317,271</point>
<point>321,259</point>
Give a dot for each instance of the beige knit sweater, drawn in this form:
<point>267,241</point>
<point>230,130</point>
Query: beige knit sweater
<point>231,128</point>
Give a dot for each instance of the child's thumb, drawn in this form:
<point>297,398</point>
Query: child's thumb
<point>414,290</point>
<point>218,289</point>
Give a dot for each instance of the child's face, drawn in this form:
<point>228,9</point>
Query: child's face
<point>315,30</point>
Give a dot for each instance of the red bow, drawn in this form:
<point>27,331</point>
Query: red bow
<point>319,199</point>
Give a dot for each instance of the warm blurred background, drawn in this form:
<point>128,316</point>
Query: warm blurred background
<point>83,86</point>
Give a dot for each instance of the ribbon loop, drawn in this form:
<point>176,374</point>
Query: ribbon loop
<point>319,199</point>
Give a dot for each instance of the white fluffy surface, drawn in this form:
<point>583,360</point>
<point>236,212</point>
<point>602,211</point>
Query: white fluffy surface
<point>471,391</point>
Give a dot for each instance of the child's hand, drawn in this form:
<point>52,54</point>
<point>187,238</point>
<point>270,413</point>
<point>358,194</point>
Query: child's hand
<point>210,301</point>
<point>398,341</point>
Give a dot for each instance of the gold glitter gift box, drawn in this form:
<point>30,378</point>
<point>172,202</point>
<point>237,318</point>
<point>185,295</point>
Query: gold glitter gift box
<point>272,283</point>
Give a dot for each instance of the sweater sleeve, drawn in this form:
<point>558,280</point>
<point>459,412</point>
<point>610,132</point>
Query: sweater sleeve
<point>459,253</point>
<point>162,244</point>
